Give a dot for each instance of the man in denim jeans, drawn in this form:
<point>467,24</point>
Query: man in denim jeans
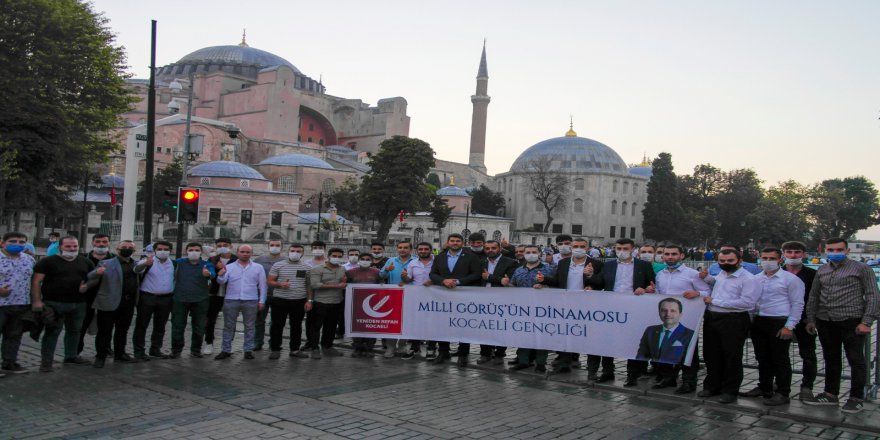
<point>60,283</point>
<point>246,291</point>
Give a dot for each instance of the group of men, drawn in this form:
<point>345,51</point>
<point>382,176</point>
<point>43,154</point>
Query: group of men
<point>771,303</point>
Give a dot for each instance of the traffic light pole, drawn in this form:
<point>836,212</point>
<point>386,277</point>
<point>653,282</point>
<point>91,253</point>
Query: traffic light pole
<point>183,182</point>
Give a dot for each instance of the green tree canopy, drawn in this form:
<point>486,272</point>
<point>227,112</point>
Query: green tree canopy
<point>63,90</point>
<point>663,214</point>
<point>486,201</point>
<point>842,207</point>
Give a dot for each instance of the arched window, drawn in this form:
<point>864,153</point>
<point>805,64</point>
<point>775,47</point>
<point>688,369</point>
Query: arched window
<point>578,184</point>
<point>634,210</point>
<point>614,186</point>
<point>625,187</point>
<point>482,232</point>
<point>328,186</point>
<point>614,206</point>
<point>623,208</point>
<point>418,234</point>
<point>635,188</point>
<point>286,184</point>
<point>496,236</point>
<point>578,205</point>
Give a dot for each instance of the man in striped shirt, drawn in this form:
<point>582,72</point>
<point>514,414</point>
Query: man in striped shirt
<point>843,304</point>
<point>288,277</point>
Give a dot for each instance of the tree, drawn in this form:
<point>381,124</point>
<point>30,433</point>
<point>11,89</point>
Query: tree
<point>63,90</point>
<point>781,215</point>
<point>434,179</point>
<point>440,213</point>
<point>662,214</point>
<point>486,201</point>
<point>548,186</point>
<point>348,201</point>
<point>396,180</point>
<point>740,194</point>
<point>842,207</point>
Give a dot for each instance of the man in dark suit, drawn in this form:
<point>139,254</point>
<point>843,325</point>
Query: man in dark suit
<point>624,275</point>
<point>667,343</point>
<point>574,273</point>
<point>497,272</point>
<point>454,268</point>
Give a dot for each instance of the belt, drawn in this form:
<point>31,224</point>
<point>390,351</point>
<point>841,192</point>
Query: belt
<point>144,292</point>
<point>723,314</point>
<point>774,318</point>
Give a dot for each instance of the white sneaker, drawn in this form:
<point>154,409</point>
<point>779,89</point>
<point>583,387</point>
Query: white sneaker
<point>208,349</point>
<point>389,352</point>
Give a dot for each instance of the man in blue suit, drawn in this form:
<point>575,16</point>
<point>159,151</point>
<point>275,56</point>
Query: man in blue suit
<point>624,275</point>
<point>667,343</point>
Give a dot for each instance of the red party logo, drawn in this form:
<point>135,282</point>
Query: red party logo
<point>377,310</point>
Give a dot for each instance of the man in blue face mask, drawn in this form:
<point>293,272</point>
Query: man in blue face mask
<point>843,303</point>
<point>16,269</point>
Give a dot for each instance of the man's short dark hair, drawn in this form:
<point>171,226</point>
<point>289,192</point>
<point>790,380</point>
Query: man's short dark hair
<point>493,242</point>
<point>332,250</point>
<point>425,243</point>
<point>476,236</point>
<point>408,243</point>
<point>221,240</point>
<point>97,236</point>
<point>296,245</point>
<point>65,238</point>
<point>55,234</point>
<point>276,239</point>
<point>675,246</point>
<point>198,245</point>
<point>355,250</point>
<point>730,246</point>
<point>14,234</point>
<point>377,243</point>
<point>563,237</point>
<point>730,251</point>
<point>672,300</point>
<point>836,240</point>
<point>623,241</point>
<point>581,239</point>
<point>163,243</point>
<point>776,250</point>
<point>318,243</point>
<point>455,235</point>
<point>794,245</point>
<point>533,246</point>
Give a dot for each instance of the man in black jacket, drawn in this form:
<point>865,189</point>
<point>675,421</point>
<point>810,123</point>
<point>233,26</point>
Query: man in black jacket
<point>624,275</point>
<point>497,272</point>
<point>454,268</point>
<point>575,273</point>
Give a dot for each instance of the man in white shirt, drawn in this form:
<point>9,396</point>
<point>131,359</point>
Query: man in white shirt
<point>726,326</point>
<point>246,291</point>
<point>778,312</point>
<point>418,273</point>
<point>353,256</point>
<point>155,303</point>
<point>678,279</point>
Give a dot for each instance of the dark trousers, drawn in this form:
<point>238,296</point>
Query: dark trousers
<point>493,350</point>
<point>463,348</point>
<point>806,344</point>
<point>833,335</point>
<point>151,307</point>
<point>670,371</point>
<point>282,310</point>
<point>340,326</point>
<point>11,330</point>
<point>321,324</point>
<point>260,325</point>
<point>724,336</point>
<point>114,325</point>
<point>215,305</point>
<point>198,313</point>
<point>594,361</point>
<point>774,363</point>
<point>70,318</point>
<point>87,320</point>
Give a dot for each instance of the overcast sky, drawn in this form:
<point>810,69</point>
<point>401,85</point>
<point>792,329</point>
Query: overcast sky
<point>789,88</point>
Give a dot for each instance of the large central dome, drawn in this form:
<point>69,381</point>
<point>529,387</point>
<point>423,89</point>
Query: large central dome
<point>241,55</point>
<point>573,153</point>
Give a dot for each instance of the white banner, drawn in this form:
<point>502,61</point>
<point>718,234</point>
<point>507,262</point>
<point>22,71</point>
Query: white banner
<point>651,326</point>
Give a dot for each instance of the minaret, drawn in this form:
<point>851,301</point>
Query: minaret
<point>478,119</point>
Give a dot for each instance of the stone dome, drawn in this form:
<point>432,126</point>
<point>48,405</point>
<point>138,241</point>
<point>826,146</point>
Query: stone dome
<point>452,191</point>
<point>225,168</point>
<point>112,181</point>
<point>644,171</point>
<point>297,160</point>
<point>238,59</point>
<point>573,153</point>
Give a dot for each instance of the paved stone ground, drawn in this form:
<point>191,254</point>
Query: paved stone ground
<point>376,398</point>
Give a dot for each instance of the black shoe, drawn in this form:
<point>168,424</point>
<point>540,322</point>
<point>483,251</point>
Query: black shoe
<point>99,363</point>
<point>513,361</point>
<point>275,355</point>
<point>124,357</point>
<point>77,361</point>
<point>195,354</point>
<point>606,377</point>
<point>684,388</point>
<point>176,355</point>
<point>249,355</point>
<point>540,368</point>
<point>258,348</point>
<point>777,399</point>
<point>562,369</point>
<point>631,381</point>
<point>484,360</point>
<point>223,355</point>
<point>592,376</point>
<point>665,383</point>
<point>708,393</point>
<point>756,392</point>
<point>462,361</point>
<point>158,354</point>
<point>442,358</point>
<point>518,367</point>
<point>727,398</point>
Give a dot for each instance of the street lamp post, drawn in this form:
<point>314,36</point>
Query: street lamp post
<point>186,143</point>
<point>320,208</point>
<point>467,216</point>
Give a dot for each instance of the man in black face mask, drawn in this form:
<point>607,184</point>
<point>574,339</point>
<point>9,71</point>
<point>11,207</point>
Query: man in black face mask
<point>115,301</point>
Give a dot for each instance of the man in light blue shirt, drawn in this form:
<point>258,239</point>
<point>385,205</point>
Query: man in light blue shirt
<point>246,291</point>
<point>391,272</point>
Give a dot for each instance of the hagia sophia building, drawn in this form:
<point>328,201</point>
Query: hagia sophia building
<point>296,141</point>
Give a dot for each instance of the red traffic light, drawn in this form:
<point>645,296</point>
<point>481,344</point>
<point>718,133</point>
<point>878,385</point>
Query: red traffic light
<point>190,196</point>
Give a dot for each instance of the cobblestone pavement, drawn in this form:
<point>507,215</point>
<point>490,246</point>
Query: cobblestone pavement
<point>342,397</point>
